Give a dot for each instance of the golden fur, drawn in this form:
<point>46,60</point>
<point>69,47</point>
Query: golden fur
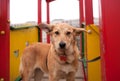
<point>59,59</point>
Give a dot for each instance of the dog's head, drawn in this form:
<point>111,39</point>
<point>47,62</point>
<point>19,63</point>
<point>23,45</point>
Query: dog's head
<point>62,35</point>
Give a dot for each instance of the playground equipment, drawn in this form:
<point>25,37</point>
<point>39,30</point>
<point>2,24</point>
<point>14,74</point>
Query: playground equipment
<point>19,39</point>
<point>92,50</point>
<point>104,69</point>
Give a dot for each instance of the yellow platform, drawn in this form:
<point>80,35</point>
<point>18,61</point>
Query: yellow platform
<point>93,51</point>
<point>19,39</point>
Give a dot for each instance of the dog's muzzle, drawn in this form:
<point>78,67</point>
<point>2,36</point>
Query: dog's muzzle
<point>62,45</point>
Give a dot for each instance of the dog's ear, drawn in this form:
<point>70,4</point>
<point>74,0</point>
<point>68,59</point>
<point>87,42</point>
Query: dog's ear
<point>78,30</point>
<point>46,27</point>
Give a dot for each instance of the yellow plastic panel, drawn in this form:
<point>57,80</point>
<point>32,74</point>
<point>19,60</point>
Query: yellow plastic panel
<point>19,39</point>
<point>93,51</point>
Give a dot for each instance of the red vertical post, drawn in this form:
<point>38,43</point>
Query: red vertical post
<point>110,37</point>
<point>81,20</point>
<point>88,12</point>
<point>4,40</point>
<point>81,11</point>
<point>40,17</point>
<point>48,18</point>
<point>88,18</point>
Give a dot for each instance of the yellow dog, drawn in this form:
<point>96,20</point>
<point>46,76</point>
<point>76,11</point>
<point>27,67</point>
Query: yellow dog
<point>59,59</point>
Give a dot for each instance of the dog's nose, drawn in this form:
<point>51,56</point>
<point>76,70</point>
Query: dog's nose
<point>62,44</point>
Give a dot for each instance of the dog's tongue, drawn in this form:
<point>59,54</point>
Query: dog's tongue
<point>63,58</point>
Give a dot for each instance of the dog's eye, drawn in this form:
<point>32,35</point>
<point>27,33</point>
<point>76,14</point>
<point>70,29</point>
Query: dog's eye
<point>68,33</point>
<point>57,33</point>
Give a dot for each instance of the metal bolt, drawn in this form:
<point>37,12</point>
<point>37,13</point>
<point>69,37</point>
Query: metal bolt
<point>2,79</point>
<point>89,31</point>
<point>2,32</point>
<point>8,21</point>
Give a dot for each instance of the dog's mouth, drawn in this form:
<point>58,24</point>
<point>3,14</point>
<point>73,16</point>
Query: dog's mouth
<point>60,51</point>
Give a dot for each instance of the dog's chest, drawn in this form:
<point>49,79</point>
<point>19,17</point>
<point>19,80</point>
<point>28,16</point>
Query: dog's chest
<point>67,68</point>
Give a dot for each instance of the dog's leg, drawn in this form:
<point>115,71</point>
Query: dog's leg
<point>27,74</point>
<point>38,74</point>
<point>71,76</point>
<point>52,78</point>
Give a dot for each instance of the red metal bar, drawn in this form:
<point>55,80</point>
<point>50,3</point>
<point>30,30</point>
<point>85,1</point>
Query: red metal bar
<point>88,12</point>
<point>81,7</point>
<point>40,17</point>
<point>88,18</point>
<point>81,19</point>
<point>48,18</point>
<point>4,40</point>
<point>110,37</point>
